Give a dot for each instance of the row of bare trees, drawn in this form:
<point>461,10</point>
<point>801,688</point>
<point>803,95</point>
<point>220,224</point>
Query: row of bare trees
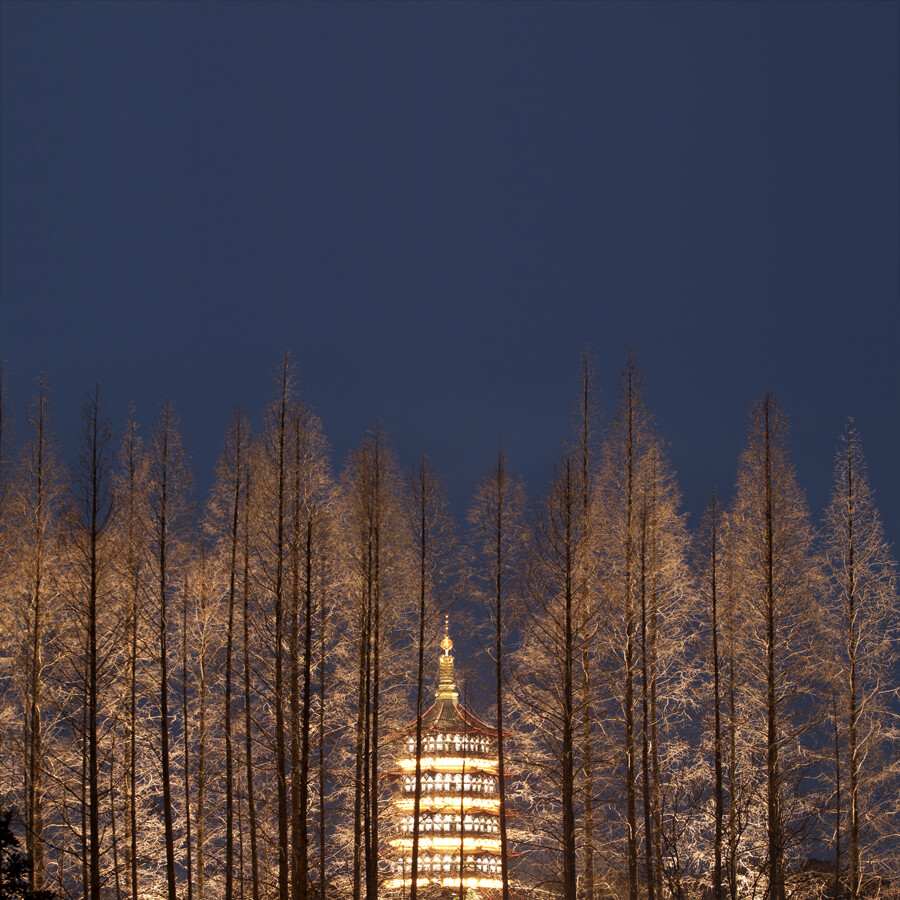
<point>204,701</point>
<point>712,713</point>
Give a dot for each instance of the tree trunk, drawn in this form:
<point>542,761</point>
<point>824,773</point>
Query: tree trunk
<point>185,727</point>
<point>645,715</point>
<point>372,865</point>
<point>499,612</point>
<point>303,838</point>
<point>130,459</point>
<point>653,641</point>
<point>113,815</point>
<point>853,723</point>
<point>773,782</point>
<point>34,787</point>
<point>838,799</point>
<point>297,811</point>
<point>323,884</point>
<point>733,824</point>
<point>568,736</point>
<point>717,725</point>
<point>162,574</point>
<point>95,525</point>
<point>234,457</point>
<point>203,690</point>
<point>630,627</point>
<point>280,741</point>
<point>587,748</point>
<point>420,680</point>
<point>248,717</point>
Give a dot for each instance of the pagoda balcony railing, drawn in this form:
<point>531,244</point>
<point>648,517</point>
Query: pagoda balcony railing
<point>468,831</point>
<point>452,868</point>
<point>447,790</point>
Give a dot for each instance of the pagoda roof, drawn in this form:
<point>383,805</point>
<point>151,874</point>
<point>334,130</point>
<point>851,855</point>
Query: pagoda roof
<point>450,716</point>
<point>447,714</point>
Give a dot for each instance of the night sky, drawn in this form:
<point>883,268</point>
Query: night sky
<point>435,206</point>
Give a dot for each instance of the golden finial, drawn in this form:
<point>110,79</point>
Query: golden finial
<point>446,643</point>
<point>447,684</point>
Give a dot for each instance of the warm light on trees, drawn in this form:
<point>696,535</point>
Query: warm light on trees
<point>864,621</point>
<point>227,697</point>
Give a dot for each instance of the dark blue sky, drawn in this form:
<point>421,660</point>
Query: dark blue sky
<point>435,206</point>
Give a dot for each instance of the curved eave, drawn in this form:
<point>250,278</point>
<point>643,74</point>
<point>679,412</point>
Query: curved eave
<point>451,717</point>
<point>441,803</point>
<point>473,767</point>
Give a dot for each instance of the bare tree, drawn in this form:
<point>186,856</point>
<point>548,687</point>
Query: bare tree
<point>94,505</point>
<point>710,562</point>
<point>778,583</point>
<point>130,559</point>
<point>186,738</point>
<point>546,666</point>
<point>864,615</point>
<point>497,519</point>
<point>666,600</point>
<point>309,533</point>
<point>584,450</point>
<point>276,442</point>
<point>227,514</point>
<point>429,524</point>
<point>168,484</point>
<point>249,488</point>
<point>618,508</point>
<point>206,644</point>
<point>742,776</point>
<point>36,509</point>
<point>373,549</point>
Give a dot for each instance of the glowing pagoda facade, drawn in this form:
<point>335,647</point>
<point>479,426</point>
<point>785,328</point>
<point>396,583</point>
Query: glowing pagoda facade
<point>459,804</point>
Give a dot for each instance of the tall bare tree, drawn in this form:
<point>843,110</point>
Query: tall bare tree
<point>310,490</point>
<point>864,616</point>
<point>168,485</point>
<point>778,583</point>
<point>38,497</point>
<point>546,694</point>
<point>497,519</point>
<point>373,550</point>
<point>227,514</point>
<point>618,508</point>
<point>128,560</point>
<point>429,524</point>
<point>585,451</point>
<point>94,508</point>
<point>710,578</point>
<point>247,678</point>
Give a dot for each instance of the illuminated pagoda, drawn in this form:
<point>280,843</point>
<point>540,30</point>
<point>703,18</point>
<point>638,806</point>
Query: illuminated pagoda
<point>459,810</point>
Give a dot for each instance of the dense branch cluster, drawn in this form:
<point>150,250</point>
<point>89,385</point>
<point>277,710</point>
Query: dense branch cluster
<point>207,701</point>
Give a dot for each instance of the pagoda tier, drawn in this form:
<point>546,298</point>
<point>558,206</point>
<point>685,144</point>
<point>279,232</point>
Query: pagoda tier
<point>459,802</point>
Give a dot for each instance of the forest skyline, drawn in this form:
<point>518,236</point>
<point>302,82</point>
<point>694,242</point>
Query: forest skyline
<point>459,494</point>
<point>268,640</point>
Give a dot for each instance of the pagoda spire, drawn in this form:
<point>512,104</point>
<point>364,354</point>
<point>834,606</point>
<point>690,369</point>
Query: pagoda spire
<point>447,806</point>
<point>447,679</point>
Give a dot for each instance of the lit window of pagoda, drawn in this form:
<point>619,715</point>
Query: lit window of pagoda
<point>459,804</point>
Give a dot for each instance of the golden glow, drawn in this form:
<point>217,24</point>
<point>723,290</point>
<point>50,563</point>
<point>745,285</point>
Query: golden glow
<point>448,843</point>
<point>448,763</point>
<point>449,881</point>
<point>439,802</point>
